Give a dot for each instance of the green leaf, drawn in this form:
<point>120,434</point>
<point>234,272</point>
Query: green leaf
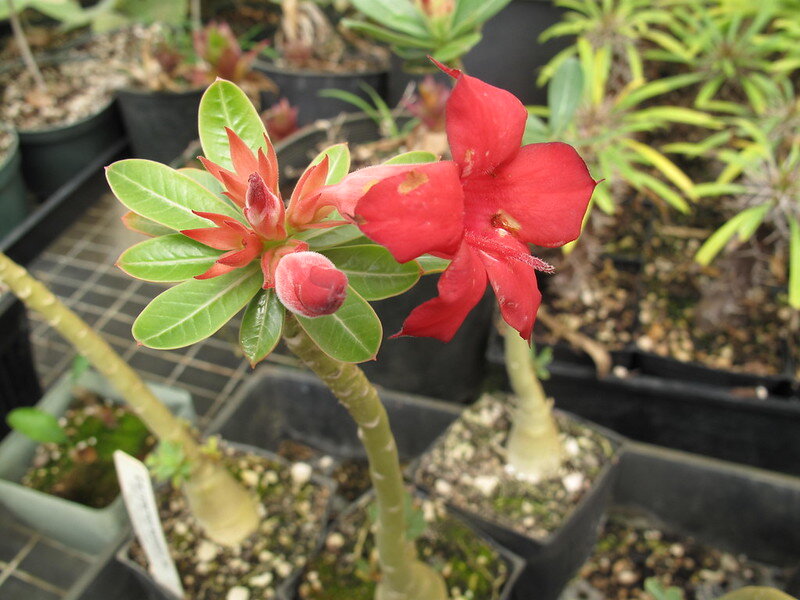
<point>564,94</point>
<point>319,239</point>
<point>262,324</point>
<point>399,15</point>
<point>195,309</point>
<point>794,264</point>
<point>414,157</point>
<point>383,34</point>
<point>139,224</point>
<point>457,48</point>
<point>338,162</point>
<point>352,334</point>
<point>223,105</point>
<point>204,178</point>
<point>432,264</point>
<point>36,424</point>
<point>80,364</point>
<point>757,593</point>
<point>745,223</point>
<point>173,257</point>
<point>164,195</point>
<point>470,14</point>
<point>373,272</point>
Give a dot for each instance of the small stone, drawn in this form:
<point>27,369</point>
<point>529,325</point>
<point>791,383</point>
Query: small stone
<point>528,522</point>
<point>620,371</point>
<point>207,551</point>
<point>265,556</point>
<point>334,541</point>
<point>249,478</point>
<point>761,392</point>
<point>283,568</point>
<point>486,484</point>
<point>271,477</point>
<point>572,447</point>
<point>326,462</point>
<point>442,487</point>
<point>238,593</point>
<point>301,473</point>
<point>627,577</point>
<point>262,580</point>
<point>573,482</point>
<point>181,528</point>
<point>677,550</point>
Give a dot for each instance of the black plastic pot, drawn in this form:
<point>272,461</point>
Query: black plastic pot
<point>280,404</point>
<point>160,125</point>
<point>452,371</point>
<point>509,55</point>
<point>735,508</point>
<point>155,591</point>
<point>302,89</point>
<point>551,562</point>
<point>400,79</point>
<point>13,204</point>
<point>51,157</point>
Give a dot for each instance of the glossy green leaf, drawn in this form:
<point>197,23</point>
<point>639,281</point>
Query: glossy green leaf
<point>373,272</point>
<point>757,593</point>
<point>564,94</point>
<point>383,34</point>
<point>195,309</point>
<point>401,16</point>
<point>173,257</point>
<point>338,162</point>
<point>432,264</point>
<point>456,48</point>
<point>794,264</point>
<point>162,194</point>
<point>743,223</point>
<point>36,424</point>
<point>223,105</point>
<point>351,334</point>
<point>204,178</point>
<point>415,157</point>
<point>473,13</point>
<point>139,224</point>
<point>262,324</point>
<point>319,239</point>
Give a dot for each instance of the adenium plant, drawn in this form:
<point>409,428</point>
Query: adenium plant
<point>305,270</point>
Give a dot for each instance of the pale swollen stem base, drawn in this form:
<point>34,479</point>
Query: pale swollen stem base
<point>211,485</point>
<point>533,448</point>
<point>404,577</point>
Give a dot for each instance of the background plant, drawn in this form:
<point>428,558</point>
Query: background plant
<point>415,29</point>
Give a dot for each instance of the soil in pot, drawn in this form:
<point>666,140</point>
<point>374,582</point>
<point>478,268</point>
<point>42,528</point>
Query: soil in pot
<point>731,315</point>
<point>81,469</point>
<point>347,569</point>
<point>294,508</point>
<point>467,466</point>
<point>633,547</point>
<point>76,89</point>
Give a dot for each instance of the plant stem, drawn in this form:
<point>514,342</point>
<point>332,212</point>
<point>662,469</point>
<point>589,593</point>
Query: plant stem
<point>404,576</point>
<point>534,448</point>
<point>196,19</point>
<point>24,48</point>
<point>210,485</point>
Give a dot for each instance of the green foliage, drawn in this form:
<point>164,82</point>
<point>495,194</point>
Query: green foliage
<point>378,111</point>
<point>444,29</point>
<point>606,127</point>
<point>108,15</point>
<point>167,258</point>
<point>757,593</point>
<point>80,364</point>
<point>36,424</point>
<point>262,325</point>
<point>541,361</point>
<point>169,463</point>
<point>657,590</point>
<point>61,10</point>
<point>740,55</point>
<point>373,272</point>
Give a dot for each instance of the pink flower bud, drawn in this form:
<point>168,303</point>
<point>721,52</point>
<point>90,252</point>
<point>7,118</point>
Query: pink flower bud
<point>263,209</point>
<point>309,284</point>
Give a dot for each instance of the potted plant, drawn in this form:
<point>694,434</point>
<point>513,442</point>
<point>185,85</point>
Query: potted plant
<point>13,200</point>
<point>312,55</point>
<point>62,121</point>
<point>172,68</point>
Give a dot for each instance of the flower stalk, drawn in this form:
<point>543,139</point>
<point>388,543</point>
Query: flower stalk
<point>225,510</point>
<point>404,576</point>
<point>533,446</point>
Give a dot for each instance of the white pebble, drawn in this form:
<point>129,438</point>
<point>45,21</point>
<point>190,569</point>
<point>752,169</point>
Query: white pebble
<point>326,462</point>
<point>283,568</point>
<point>572,447</point>
<point>334,541</point>
<point>238,593</point>
<point>271,477</point>
<point>573,482</point>
<point>181,528</point>
<point>301,473</point>
<point>443,487</point>
<point>250,478</point>
<point>207,551</point>
<point>262,580</point>
<point>486,484</point>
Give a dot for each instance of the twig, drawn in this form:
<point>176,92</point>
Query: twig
<point>598,353</point>
<point>24,48</point>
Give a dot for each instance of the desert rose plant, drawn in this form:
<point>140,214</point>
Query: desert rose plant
<point>304,271</point>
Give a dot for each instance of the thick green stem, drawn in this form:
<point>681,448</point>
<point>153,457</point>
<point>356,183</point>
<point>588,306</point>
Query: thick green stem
<point>404,577</point>
<point>24,48</point>
<point>534,448</point>
<point>208,476</point>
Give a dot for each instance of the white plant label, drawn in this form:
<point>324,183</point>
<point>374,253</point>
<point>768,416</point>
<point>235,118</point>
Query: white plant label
<point>137,490</point>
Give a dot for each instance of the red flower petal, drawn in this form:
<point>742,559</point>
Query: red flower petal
<point>346,194</point>
<point>309,284</point>
<point>216,237</point>
<point>242,258</point>
<point>268,166</point>
<point>263,209</point>
<point>216,270</point>
<point>543,194</point>
<point>416,212</point>
<point>242,157</point>
<point>461,287</point>
<point>305,204</point>
<point>484,125</point>
<point>514,284</point>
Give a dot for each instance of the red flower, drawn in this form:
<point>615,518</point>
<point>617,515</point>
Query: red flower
<point>307,283</point>
<point>480,210</point>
